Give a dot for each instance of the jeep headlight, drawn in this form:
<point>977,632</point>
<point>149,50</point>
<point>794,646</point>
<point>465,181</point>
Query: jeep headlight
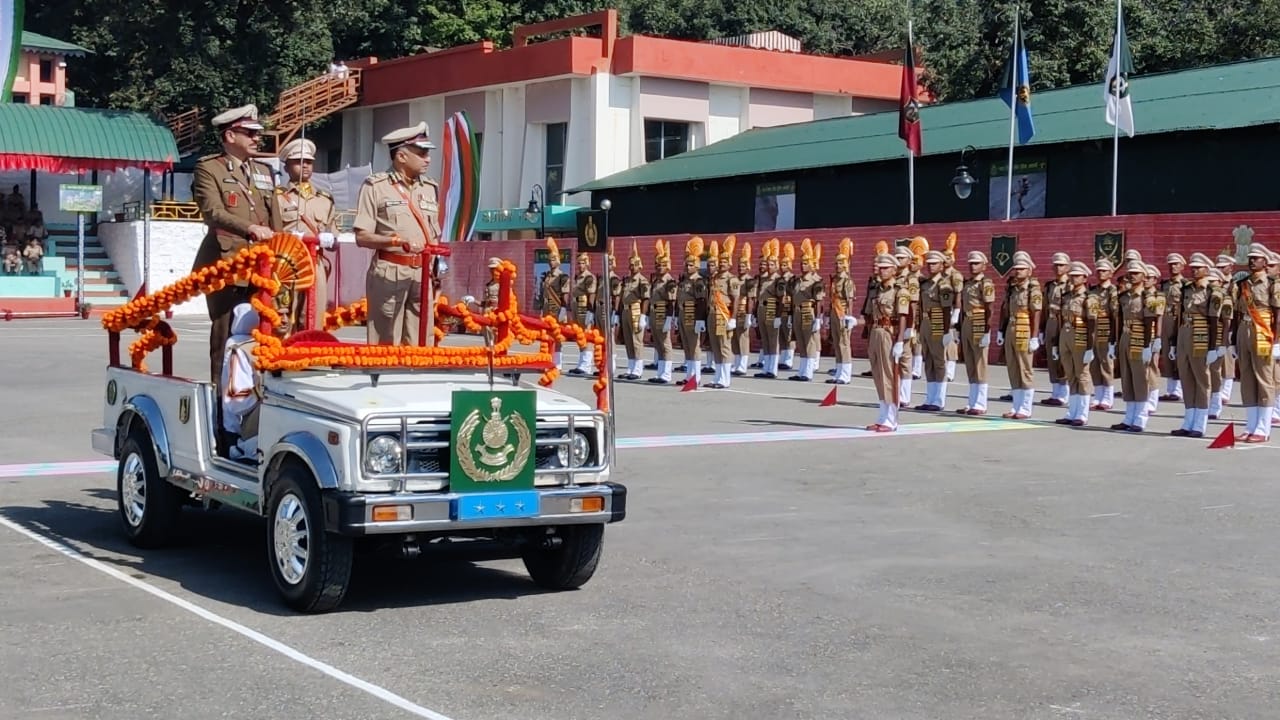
<point>383,455</point>
<point>579,446</point>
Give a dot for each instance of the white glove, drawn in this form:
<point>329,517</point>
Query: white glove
<point>999,338</point>
<point>299,234</point>
<point>1232,349</point>
<point>669,325</point>
<point>897,351</point>
<point>850,322</point>
<point>1034,344</point>
<point>955,315</point>
<point>777,323</point>
<point>1054,352</point>
<point>564,314</point>
<point>1040,340</point>
<point>700,326</point>
<point>985,341</point>
<point>1222,351</point>
<point>1156,345</point>
<point>1212,356</point>
<point>908,334</point>
<point>644,323</point>
<point>1147,354</point>
<point>1088,357</point>
<point>327,241</point>
<point>1111,351</point>
<point>1275,352</point>
<point>1173,353</point>
<point>591,318</point>
<point>732,324</point>
<point>613,319</point>
<point>469,299</point>
<point>817,324</point>
<point>948,339</point>
<point>751,321</point>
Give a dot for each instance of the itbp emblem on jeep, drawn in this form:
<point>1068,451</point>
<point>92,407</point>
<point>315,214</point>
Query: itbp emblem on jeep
<point>493,441</point>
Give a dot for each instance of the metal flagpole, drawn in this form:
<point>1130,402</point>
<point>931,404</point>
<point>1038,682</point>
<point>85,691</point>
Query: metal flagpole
<point>911,156</point>
<point>1013,104</point>
<point>146,231</point>
<point>1115,151</point>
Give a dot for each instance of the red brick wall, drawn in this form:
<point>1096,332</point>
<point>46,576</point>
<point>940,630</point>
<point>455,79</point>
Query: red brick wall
<point>1153,235</point>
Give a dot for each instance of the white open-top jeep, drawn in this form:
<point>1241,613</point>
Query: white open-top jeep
<point>409,455</point>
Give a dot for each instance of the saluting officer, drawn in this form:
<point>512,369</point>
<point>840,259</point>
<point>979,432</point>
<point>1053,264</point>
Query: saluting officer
<point>583,296</point>
<point>662,312</point>
<point>842,320</point>
<point>1078,329</point>
<point>1194,350</point>
<point>978,296</point>
<point>308,210</point>
<point>1054,290</point>
<point>1102,369</point>
<point>691,308</point>
<point>235,196</point>
<point>553,298</point>
<point>633,308</point>
<point>1140,309</point>
<point>744,313</point>
<point>937,298</point>
<point>1024,302</point>
<point>396,216</point>
<point>1256,327</point>
<point>889,309</point>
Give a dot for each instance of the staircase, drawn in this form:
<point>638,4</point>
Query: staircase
<point>307,103</point>
<point>188,131</point>
<point>102,285</point>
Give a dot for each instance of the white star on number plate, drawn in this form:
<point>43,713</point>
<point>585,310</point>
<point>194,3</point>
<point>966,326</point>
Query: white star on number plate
<point>500,507</point>
<point>479,508</point>
<point>519,506</point>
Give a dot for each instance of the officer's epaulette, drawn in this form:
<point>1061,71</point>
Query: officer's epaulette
<point>207,158</point>
<point>377,178</point>
<point>324,193</point>
<point>430,181</point>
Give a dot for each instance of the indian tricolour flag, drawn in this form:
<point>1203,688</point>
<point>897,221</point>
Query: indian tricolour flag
<point>10,44</point>
<point>459,180</point>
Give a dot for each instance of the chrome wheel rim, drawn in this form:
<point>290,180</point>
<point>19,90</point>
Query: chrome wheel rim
<point>133,489</point>
<point>291,535</point>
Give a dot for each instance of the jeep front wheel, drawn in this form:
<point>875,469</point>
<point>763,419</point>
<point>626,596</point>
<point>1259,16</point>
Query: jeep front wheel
<point>311,568</point>
<point>148,504</point>
<point>565,560</point>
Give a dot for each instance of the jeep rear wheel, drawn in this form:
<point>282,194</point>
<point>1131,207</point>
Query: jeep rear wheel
<point>147,503</point>
<point>571,559</point>
<point>311,567</point>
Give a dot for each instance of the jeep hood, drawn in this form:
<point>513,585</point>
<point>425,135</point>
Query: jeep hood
<point>354,395</point>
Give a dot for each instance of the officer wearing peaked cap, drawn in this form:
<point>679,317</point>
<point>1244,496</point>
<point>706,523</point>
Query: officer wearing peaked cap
<point>396,216</point>
<point>307,210</point>
<point>235,194</point>
<point>1054,290</point>
<point>1102,369</point>
<point>888,310</point>
<point>938,292</point>
<point>1078,323</point>
<point>1172,289</point>
<point>1020,317</point>
<point>978,296</point>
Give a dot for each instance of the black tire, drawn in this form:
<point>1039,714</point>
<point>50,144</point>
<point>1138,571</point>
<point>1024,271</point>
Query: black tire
<point>147,504</point>
<point>570,565</point>
<point>318,583</point>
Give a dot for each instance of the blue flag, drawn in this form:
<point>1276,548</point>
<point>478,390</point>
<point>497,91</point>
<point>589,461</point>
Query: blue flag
<point>1016,90</point>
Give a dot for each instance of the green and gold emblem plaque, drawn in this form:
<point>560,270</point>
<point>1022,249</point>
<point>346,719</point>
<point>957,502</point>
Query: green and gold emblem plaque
<point>493,441</point>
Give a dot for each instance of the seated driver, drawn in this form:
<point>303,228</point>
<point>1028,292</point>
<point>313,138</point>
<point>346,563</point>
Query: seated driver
<point>241,391</point>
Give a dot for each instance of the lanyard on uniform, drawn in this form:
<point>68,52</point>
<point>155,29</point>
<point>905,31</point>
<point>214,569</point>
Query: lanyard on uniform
<point>417,214</point>
<point>248,194</point>
<point>302,215</point>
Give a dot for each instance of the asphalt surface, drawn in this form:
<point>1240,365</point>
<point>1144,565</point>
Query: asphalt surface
<point>962,568</point>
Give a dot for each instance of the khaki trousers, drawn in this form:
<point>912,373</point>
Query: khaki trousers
<point>1074,372</point>
<point>1103,370</point>
<point>1193,371</point>
<point>975,356</point>
<point>661,338</point>
<point>769,335</point>
<point>691,343</point>
<point>1257,371</point>
<point>1169,336</point>
<point>1134,372</point>
<point>935,358</point>
<point>841,337</point>
<point>1051,333</point>
<point>395,303</point>
<point>1018,363</point>
<point>632,336</point>
<point>808,342</point>
<point>880,353</point>
<point>741,338</point>
<point>719,343</point>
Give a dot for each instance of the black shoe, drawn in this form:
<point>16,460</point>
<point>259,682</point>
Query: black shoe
<point>865,374</point>
<point>755,366</point>
<point>832,381</point>
<point>651,366</point>
<point>799,378</point>
<point>784,366</point>
<point>766,375</point>
<point>716,386</point>
<point>576,371</point>
<point>659,381</point>
<point>708,371</point>
<point>738,373</point>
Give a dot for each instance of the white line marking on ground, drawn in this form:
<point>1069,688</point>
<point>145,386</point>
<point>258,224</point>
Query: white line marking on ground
<point>1217,507</point>
<point>1067,709</point>
<point>363,685</point>
<point>1103,515</point>
<point>1193,472</point>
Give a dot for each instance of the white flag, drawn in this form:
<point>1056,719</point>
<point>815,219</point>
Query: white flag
<point>10,44</point>
<point>1116,86</point>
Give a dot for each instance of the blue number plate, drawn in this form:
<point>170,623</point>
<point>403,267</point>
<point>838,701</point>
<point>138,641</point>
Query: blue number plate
<point>491,506</point>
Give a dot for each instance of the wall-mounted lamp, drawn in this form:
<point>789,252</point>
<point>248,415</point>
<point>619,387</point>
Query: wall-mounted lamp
<point>963,182</point>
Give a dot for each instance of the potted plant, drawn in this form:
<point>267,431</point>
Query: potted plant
<point>85,309</point>
<point>67,286</point>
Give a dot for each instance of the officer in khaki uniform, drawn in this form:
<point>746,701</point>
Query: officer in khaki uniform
<point>662,312</point>
<point>633,318</point>
<point>583,301</point>
<point>236,196</point>
<point>909,280</point>
<point>307,210</point>
<point>1077,334</point>
<point>1024,302</point>
<point>691,308</point>
<point>937,298</point>
<point>553,296</point>
<point>743,313</point>
<point>1140,308</point>
<point>1172,289</point>
<point>1256,327</point>
<point>1221,284</point>
<point>889,310</point>
<point>807,295</point>
<point>1151,288</point>
<point>396,216</point>
<point>1054,290</point>
<point>841,318</point>
<point>768,311</point>
<point>977,298</point>
<point>952,350</point>
<point>1102,369</point>
<point>1227,265</point>
<point>783,286</point>
<point>722,321</point>
<point>1195,349</point>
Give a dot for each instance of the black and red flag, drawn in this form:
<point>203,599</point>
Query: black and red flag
<point>909,104</point>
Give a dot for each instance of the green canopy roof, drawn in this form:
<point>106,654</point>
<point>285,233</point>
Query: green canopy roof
<point>61,139</point>
<point>44,43</point>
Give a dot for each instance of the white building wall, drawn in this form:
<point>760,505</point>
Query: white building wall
<point>726,112</point>
<point>491,159</point>
<point>514,164</point>
<point>173,251</point>
<point>831,106</point>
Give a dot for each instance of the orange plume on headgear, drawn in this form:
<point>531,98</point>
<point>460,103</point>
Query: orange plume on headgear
<point>693,248</point>
<point>919,246</point>
<point>661,250</point>
<point>552,247</point>
<point>846,249</point>
<point>635,250</point>
<point>713,250</point>
<point>789,252</point>
<point>746,252</point>
<point>882,247</point>
<point>951,244</point>
<point>773,249</point>
<point>730,244</point>
<point>817,253</point>
<point>806,250</point>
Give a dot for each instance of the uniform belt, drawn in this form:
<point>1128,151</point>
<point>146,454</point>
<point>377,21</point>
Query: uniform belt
<point>884,323</point>
<point>410,261</point>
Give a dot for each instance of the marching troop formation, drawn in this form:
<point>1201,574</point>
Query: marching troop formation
<point>1197,328</point>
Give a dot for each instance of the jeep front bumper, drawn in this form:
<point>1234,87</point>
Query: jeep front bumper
<point>349,513</point>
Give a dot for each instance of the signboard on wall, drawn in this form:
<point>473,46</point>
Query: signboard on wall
<point>80,198</point>
<point>775,206</point>
<point>1026,199</point>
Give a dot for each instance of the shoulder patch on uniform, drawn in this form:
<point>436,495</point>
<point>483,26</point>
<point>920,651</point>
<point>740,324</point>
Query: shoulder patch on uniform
<point>377,178</point>
<point>324,194</point>
<point>207,158</point>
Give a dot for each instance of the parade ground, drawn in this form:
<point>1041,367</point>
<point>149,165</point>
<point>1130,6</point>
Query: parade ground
<point>777,561</point>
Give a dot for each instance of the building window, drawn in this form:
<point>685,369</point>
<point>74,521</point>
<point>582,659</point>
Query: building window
<point>46,71</point>
<point>557,140</point>
<point>19,98</point>
<point>46,99</point>
<point>663,139</point>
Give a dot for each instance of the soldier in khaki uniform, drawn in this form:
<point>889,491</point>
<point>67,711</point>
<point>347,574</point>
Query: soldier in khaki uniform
<point>691,308</point>
<point>583,302</point>
<point>1077,333</point>
<point>842,320</point>
<point>1172,289</point>
<point>1139,310</point>
<point>910,280</point>
<point>1152,288</point>
<point>1221,284</point>
<point>768,311</point>
<point>889,310</point>
<point>1024,303</point>
<point>662,312</point>
<point>633,314</point>
<point>784,287</point>
<point>615,297</point>
<point>937,298</point>
<point>396,216</point>
<point>236,198</point>
<point>919,247</point>
<point>744,313</point>
<point>952,350</point>
<point>1102,369</point>
<point>977,298</point>
<point>1256,326</point>
<point>1227,265</point>
<point>489,302</point>
<point>553,296</point>
<point>1054,289</point>
<point>1195,349</point>
<point>721,318</point>
<point>807,294</point>
<point>308,211</point>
